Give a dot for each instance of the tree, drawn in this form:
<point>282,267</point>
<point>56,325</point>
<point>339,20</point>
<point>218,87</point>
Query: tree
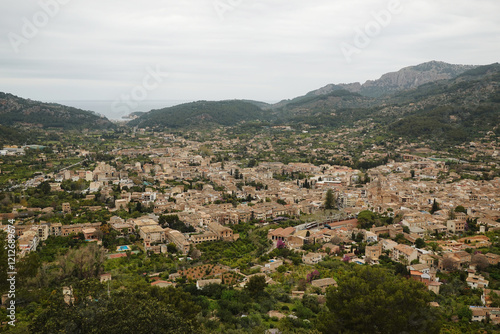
<point>400,238</point>
<point>420,243</point>
<point>460,208</point>
<point>359,237</point>
<point>144,310</point>
<point>171,248</point>
<point>366,295</point>
<point>435,207</point>
<point>465,313</point>
<point>366,219</point>
<point>44,187</point>
<point>302,285</point>
<point>252,163</point>
<point>281,201</point>
<point>311,302</point>
<point>256,285</point>
<point>173,222</point>
<point>4,269</point>
<point>471,225</point>
<point>312,276</point>
<point>448,264</point>
<point>336,240</point>
<point>281,269</point>
<point>329,200</point>
<point>194,253</point>
<point>84,262</point>
<point>480,261</point>
<point>495,299</point>
<point>28,266</point>
<point>434,246</point>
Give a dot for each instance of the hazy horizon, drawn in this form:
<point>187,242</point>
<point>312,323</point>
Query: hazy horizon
<point>220,49</point>
<point>104,107</point>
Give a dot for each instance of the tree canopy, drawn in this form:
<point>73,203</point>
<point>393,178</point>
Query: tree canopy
<point>256,284</point>
<point>330,200</point>
<point>372,300</point>
<point>149,310</point>
<point>435,206</point>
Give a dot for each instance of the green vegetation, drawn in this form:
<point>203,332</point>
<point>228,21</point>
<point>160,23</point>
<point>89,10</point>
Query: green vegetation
<point>143,310</point>
<point>367,219</point>
<point>9,136</point>
<point>201,113</point>
<point>171,147</point>
<point>435,207</point>
<point>329,200</point>
<point>256,285</point>
<point>15,110</point>
<point>366,294</point>
<point>451,124</point>
<point>173,222</point>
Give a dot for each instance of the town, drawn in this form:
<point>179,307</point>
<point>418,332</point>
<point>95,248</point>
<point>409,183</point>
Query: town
<point>175,198</point>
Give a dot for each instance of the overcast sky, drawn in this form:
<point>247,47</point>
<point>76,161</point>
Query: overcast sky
<point>225,49</point>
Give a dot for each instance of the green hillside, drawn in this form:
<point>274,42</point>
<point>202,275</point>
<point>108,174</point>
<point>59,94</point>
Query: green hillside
<point>18,111</point>
<point>339,98</point>
<point>201,113</point>
<point>445,110</point>
<point>451,111</point>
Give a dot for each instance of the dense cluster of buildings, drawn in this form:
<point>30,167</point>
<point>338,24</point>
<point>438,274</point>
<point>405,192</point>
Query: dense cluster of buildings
<point>209,196</point>
<point>406,189</point>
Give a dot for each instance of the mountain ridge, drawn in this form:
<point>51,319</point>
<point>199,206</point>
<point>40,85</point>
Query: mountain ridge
<point>456,106</point>
<point>204,113</point>
<point>18,111</point>
<point>405,78</point>
<point>445,110</point>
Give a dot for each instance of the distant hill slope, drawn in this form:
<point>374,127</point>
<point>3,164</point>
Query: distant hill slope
<point>203,113</point>
<point>406,78</point>
<point>15,110</point>
<point>134,115</point>
<point>453,110</point>
<point>262,105</point>
<point>330,103</point>
<point>446,110</point>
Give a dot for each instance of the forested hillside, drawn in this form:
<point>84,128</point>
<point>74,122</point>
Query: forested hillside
<point>18,111</point>
<point>202,113</point>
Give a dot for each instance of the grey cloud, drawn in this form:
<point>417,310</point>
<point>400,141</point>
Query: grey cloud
<point>266,50</point>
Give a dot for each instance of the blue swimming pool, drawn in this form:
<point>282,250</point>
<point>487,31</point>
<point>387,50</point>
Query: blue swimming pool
<point>123,248</point>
